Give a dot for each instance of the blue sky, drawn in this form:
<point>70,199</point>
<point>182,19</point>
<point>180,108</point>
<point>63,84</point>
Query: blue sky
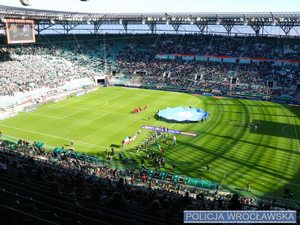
<point>162,5</point>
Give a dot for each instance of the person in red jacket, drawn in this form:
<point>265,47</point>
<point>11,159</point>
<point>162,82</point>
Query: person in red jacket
<point>132,179</point>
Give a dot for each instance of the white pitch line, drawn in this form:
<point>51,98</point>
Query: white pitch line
<point>84,109</point>
<point>284,131</point>
<point>171,125</point>
<point>103,104</point>
<point>296,134</point>
<point>69,115</point>
<point>45,116</point>
<point>222,180</point>
<point>91,107</point>
<point>53,136</point>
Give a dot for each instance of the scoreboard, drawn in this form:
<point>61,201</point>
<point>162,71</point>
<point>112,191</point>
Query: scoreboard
<point>20,31</point>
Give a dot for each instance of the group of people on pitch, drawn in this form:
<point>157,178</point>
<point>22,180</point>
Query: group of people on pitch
<point>140,109</point>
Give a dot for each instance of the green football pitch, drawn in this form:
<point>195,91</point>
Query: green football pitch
<point>269,157</point>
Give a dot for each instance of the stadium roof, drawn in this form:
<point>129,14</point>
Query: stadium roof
<point>285,20</point>
<point>16,12</point>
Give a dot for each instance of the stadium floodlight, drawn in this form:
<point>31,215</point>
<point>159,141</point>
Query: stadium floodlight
<point>25,2</point>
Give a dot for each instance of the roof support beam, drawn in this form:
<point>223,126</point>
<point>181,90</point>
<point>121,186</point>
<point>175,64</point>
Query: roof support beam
<point>201,27</point>
<point>256,27</point>
<point>39,27</point>
<point>176,26</point>
<point>125,25</point>
<point>97,26</point>
<point>286,27</point>
<point>228,28</point>
<point>68,27</point>
<point>152,27</point>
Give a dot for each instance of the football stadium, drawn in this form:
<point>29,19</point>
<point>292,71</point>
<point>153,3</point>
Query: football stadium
<point>133,118</point>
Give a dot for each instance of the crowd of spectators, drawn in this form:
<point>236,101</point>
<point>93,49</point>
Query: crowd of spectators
<point>52,64</point>
<point>270,48</point>
<point>138,61</point>
<point>37,66</point>
<point>264,78</point>
<point>78,183</point>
